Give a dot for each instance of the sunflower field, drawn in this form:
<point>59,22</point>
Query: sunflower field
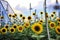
<point>31,29</point>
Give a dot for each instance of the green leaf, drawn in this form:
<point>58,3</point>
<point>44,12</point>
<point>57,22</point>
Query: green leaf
<point>41,36</point>
<point>34,36</point>
<point>52,39</point>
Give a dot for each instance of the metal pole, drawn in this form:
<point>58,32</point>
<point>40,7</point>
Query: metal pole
<point>35,14</point>
<point>30,12</point>
<point>7,9</point>
<point>59,9</point>
<point>35,11</point>
<point>30,9</point>
<point>59,13</point>
<point>0,15</point>
<point>56,1</point>
<point>46,21</point>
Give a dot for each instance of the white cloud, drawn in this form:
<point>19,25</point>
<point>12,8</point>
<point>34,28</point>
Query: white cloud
<point>52,1</point>
<point>24,3</point>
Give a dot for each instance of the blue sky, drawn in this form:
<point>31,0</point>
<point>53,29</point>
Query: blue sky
<point>23,5</point>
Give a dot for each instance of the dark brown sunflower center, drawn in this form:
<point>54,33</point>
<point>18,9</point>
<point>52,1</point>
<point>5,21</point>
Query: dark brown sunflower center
<point>12,30</point>
<point>13,16</point>
<point>52,25</point>
<point>59,20</point>
<point>3,30</point>
<point>53,12</point>
<point>20,15</point>
<point>2,17</point>
<point>6,26</point>
<point>58,23</point>
<point>9,15</point>
<point>14,26</point>
<point>20,28</point>
<point>58,30</point>
<point>52,15</point>
<point>41,12</point>
<point>37,28</point>
<point>27,24</point>
<point>46,15</point>
<point>33,13</point>
<point>23,17</point>
<point>49,22</point>
<point>41,21</point>
<point>29,17</point>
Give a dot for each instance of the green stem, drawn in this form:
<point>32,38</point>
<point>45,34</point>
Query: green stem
<point>35,19</point>
<point>50,17</point>
<point>38,38</point>
<point>41,16</point>
<point>57,37</point>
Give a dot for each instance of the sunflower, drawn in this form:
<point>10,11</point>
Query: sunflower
<point>29,17</point>
<point>3,30</point>
<point>49,21</point>
<point>26,25</point>
<point>2,17</point>
<point>41,21</point>
<point>13,16</point>
<point>58,19</point>
<point>20,28</point>
<point>59,23</point>
<point>52,15</point>
<point>6,26</point>
<point>41,12</point>
<point>46,15</point>
<point>9,15</point>
<point>20,15</point>
<point>23,18</point>
<point>37,28</point>
<point>15,26</point>
<point>52,25</point>
<point>12,30</point>
<point>34,14</point>
<point>54,12</point>
<point>57,29</point>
